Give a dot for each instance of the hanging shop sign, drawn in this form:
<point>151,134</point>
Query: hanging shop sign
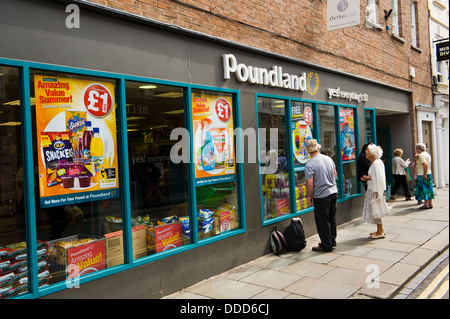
<point>214,155</point>
<point>351,96</point>
<point>442,51</point>
<point>77,141</point>
<point>347,126</point>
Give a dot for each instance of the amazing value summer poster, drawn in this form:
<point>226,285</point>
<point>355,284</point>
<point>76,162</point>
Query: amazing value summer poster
<point>77,140</point>
<point>213,136</point>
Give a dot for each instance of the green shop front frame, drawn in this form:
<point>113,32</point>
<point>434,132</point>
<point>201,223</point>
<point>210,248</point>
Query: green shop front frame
<point>294,168</point>
<point>24,67</point>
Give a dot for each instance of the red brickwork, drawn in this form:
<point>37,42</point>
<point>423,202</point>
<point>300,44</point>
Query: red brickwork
<point>298,29</point>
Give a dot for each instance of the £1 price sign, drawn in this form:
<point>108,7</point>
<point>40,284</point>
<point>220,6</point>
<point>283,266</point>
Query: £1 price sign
<point>223,109</point>
<point>97,100</point>
<point>308,115</point>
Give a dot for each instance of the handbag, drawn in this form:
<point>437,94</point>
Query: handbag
<point>408,176</point>
<point>379,207</point>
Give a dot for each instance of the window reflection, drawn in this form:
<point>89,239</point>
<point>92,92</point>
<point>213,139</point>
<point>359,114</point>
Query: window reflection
<point>13,270</point>
<point>69,217</point>
<point>273,146</point>
<point>158,185</point>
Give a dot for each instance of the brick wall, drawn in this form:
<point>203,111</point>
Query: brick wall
<point>298,29</point>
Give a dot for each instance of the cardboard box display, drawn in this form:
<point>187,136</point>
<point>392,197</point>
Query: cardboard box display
<point>164,237</point>
<point>225,221</point>
<point>114,246</point>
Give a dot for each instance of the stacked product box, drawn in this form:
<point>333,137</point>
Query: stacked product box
<point>114,245</point>
<point>14,268</point>
<point>276,194</point>
<point>77,255</point>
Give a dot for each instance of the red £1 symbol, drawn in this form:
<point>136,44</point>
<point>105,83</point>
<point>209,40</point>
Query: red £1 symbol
<point>223,109</point>
<point>307,115</point>
<point>97,100</point>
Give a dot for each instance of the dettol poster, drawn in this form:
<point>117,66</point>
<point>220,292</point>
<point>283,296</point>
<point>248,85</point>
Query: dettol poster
<point>212,117</point>
<point>76,140</point>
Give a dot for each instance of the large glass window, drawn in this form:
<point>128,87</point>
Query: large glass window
<point>13,270</point>
<point>348,150</point>
<point>327,131</point>
<point>214,153</point>
<point>302,126</point>
<point>76,171</point>
<point>273,157</point>
<point>158,185</point>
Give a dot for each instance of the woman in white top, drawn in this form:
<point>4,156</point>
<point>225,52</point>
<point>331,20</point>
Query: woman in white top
<point>424,184</point>
<point>376,185</point>
<point>398,170</point>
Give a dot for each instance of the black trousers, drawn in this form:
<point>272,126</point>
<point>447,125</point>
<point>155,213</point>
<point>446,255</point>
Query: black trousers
<point>325,217</point>
<point>400,180</point>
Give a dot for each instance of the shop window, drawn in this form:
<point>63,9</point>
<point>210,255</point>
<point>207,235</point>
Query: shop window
<point>328,137</point>
<point>214,154</point>
<point>302,126</point>
<point>369,116</point>
<point>76,174</point>
<point>348,150</point>
<point>273,157</point>
<point>158,185</point>
<point>13,270</point>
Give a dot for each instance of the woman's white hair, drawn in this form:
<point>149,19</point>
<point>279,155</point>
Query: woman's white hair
<point>375,150</point>
<point>421,146</point>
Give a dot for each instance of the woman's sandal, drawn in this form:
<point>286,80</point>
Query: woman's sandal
<point>374,236</point>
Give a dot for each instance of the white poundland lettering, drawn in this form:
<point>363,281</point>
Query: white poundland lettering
<point>275,77</point>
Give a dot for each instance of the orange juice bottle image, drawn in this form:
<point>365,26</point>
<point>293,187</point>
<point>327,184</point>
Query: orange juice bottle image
<point>97,153</point>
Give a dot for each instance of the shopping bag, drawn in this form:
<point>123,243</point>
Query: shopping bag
<point>379,207</point>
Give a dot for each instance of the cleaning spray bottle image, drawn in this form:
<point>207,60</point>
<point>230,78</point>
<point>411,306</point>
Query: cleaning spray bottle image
<point>207,149</point>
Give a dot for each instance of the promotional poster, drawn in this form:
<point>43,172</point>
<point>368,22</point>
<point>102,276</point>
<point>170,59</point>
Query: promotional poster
<point>76,139</point>
<point>347,125</point>
<point>212,118</point>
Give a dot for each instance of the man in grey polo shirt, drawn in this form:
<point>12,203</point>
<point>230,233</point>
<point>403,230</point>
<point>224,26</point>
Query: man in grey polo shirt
<point>320,174</point>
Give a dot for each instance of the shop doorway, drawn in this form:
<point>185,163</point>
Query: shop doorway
<point>384,140</point>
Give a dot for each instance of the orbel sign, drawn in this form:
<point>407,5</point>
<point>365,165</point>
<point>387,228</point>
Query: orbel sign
<point>274,77</point>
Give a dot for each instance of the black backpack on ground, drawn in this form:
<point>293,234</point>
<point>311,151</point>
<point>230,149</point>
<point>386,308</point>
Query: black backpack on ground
<point>295,235</point>
<point>277,242</point>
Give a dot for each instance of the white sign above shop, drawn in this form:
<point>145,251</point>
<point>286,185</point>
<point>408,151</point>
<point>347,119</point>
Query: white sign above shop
<point>274,77</point>
<point>351,96</point>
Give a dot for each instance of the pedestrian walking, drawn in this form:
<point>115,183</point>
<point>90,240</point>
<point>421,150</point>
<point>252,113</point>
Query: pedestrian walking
<point>398,170</point>
<point>363,165</point>
<point>376,185</point>
<point>321,190</point>
<point>424,184</point>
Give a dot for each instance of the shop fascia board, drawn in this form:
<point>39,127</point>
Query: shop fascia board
<point>202,36</point>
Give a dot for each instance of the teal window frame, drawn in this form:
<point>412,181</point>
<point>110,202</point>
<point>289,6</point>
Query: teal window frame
<point>292,169</point>
<point>34,291</point>
<point>373,125</point>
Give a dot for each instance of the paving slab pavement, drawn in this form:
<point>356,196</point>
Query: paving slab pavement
<point>358,268</point>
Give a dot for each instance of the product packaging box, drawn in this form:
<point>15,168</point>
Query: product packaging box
<point>84,253</point>
<point>225,221</point>
<point>164,237</point>
<point>114,246</point>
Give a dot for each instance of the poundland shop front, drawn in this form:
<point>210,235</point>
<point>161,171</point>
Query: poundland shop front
<point>133,158</point>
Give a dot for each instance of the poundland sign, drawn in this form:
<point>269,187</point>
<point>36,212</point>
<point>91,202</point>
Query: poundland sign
<point>274,77</point>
